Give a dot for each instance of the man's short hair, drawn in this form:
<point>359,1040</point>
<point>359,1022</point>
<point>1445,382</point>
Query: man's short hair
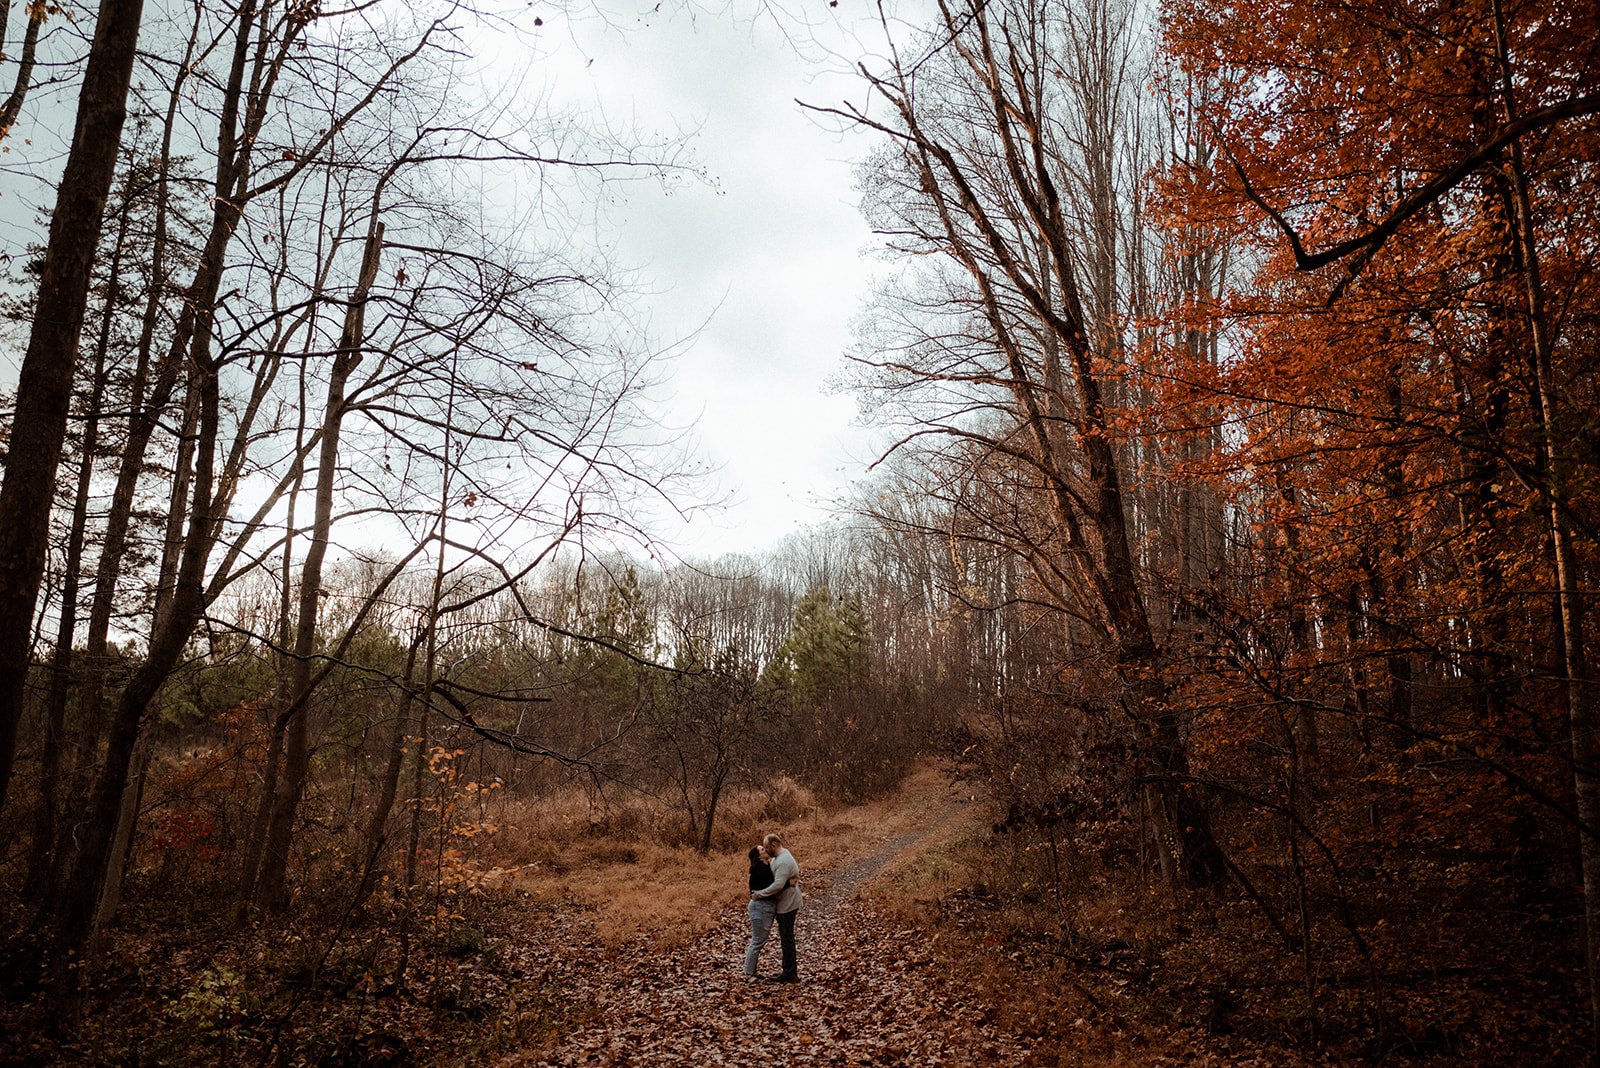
<point>773,839</point>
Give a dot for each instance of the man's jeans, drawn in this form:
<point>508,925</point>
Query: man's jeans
<point>791,961</point>
<point>761,914</point>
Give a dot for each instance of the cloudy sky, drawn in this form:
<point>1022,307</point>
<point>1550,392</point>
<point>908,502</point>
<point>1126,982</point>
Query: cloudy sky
<point>760,266</point>
<point>764,260</point>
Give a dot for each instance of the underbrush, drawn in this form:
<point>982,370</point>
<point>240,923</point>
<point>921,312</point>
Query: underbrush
<point>1114,970</point>
<point>387,987</point>
<point>574,817</point>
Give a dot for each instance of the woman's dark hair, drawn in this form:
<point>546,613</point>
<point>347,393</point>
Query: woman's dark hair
<point>760,870</point>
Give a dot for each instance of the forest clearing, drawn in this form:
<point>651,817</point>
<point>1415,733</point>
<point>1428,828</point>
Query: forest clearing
<point>1079,520</point>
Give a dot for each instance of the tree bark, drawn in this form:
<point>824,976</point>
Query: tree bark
<point>42,860</point>
<point>291,787</point>
<point>44,387</point>
<point>12,106</point>
<point>1582,715</point>
<point>81,900</point>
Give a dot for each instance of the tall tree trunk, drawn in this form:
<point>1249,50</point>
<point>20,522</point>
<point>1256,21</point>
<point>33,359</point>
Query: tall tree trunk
<point>256,837</point>
<point>389,786</point>
<point>430,664</point>
<point>44,386</point>
<point>81,900</point>
<point>172,536</point>
<point>43,856</point>
<point>11,107</point>
<point>171,628</point>
<point>122,839</point>
<point>239,120</point>
<point>291,787</point>
<point>1582,715</point>
<point>146,402</point>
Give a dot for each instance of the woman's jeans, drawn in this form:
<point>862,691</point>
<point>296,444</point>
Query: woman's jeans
<point>762,914</point>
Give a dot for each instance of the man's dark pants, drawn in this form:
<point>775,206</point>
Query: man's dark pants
<point>791,962</point>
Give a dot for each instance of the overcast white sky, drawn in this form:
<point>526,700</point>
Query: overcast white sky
<point>768,257</point>
<point>763,263</point>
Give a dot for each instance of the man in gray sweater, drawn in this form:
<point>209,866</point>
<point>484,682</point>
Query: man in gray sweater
<point>785,890</point>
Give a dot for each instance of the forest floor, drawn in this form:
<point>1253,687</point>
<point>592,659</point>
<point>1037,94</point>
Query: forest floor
<point>876,986</point>
<point>920,943</point>
<point>870,993</point>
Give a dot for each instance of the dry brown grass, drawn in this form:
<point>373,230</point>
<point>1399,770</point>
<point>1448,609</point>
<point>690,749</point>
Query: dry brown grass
<point>627,863</point>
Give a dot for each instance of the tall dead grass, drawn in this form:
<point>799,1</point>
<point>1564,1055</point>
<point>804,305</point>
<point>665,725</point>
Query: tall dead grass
<point>629,861</point>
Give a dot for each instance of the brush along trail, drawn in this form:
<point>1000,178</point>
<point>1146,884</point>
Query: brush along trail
<point>870,991</point>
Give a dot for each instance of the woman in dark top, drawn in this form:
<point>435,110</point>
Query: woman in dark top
<point>762,911</point>
<point>760,869</point>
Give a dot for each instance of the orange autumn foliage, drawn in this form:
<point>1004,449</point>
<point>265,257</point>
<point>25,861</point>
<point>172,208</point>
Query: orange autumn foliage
<point>1392,624</point>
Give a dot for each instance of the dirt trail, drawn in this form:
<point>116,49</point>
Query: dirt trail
<point>827,889</point>
<point>869,993</point>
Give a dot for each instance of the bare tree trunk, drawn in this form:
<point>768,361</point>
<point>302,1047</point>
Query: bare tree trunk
<point>1582,715</point>
<point>12,106</point>
<point>389,786</point>
<point>430,662</point>
<point>717,780</point>
<point>146,402</point>
<point>172,536</point>
<point>44,387</point>
<point>413,841</point>
<point>271,891</point>
<point>122,841</point>
<point>42,860</point>
<point>255,839</point>
<point>256,833</point>
<point>81,899</point>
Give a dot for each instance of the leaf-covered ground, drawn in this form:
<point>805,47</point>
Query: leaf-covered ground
<point>874,990</point>
<point>870,992</point>
<point>536,975</point>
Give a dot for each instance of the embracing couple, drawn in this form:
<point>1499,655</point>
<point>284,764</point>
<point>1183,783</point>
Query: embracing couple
<point>774,897</point>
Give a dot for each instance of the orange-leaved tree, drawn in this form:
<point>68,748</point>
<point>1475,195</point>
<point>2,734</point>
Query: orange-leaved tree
<point>1409,375</point>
